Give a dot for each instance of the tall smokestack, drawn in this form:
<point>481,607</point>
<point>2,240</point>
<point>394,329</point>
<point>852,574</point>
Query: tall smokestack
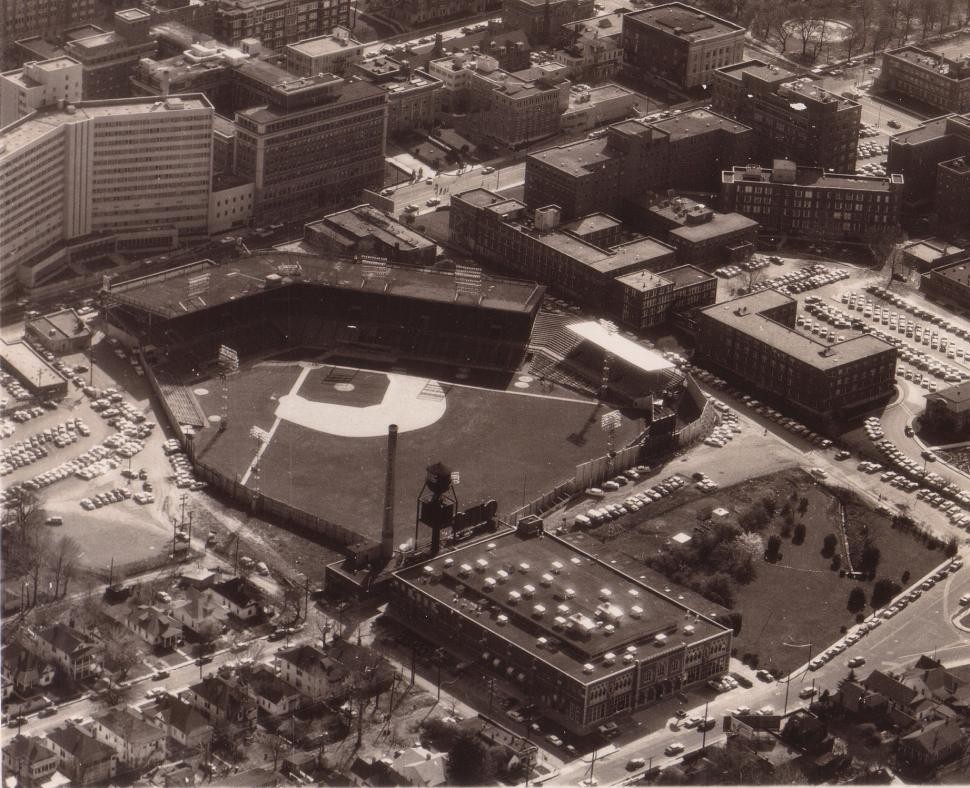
<point>387,528</point>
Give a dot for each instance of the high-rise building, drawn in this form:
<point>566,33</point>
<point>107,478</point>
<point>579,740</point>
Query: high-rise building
<point>38,84</point>
<point>928,77</point>
<point>134,172</point>
<point>811,203</point>
<point>680,44</point>
<point>687,151</point>
<point>25,18</point>
<point>277,23</point>
<point>792,118</point>
<point>108,58</point>
<point>318,143</point>
<point>542,20</point>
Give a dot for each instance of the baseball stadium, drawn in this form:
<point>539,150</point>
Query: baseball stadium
<point>281,373</point>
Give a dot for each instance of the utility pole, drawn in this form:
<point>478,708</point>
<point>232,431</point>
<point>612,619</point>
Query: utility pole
<point>704,732</point>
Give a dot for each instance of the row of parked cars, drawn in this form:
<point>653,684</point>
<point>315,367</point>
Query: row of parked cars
<point>12,386</point>
<point>116,495</point>
<point>184,475</point>
<point>29,450</point>
<point>634,503</point>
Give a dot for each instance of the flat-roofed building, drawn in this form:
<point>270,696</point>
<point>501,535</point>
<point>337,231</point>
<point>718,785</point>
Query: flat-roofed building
<point>592,49</point>
<point>811,203</point>
<point>230,203</point>
<point>277,23</point>
<point>329,54</point>
<point>365,230</point>
<point>590,107</point>
<point>651,299</point>
<point>948,411</point>
<point>59,332</point>
<point>701,235</point>
<point>680,44</point>
<point>754,340</point>
<point>31,370</point>
<point>587,642</point>
<point>413,95</point>
<point>108,58</point>
<point>930,253</point>
<point>542,20</point>
<point>38,84</point>
<point>952,198</point>
<point>792,118</point>
<point>930,78</point>
<point>949,282</point>
<point>687,151</point>
<point>139,169</point>
<point>918,153</point>
<point>26,18</point>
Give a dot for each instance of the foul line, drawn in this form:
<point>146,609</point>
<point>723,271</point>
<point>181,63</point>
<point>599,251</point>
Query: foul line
<point>272,430</point>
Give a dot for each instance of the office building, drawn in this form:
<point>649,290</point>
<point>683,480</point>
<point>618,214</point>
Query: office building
<point>791,118</point>
<point>680,44</point>
<point>584,641</point>
<point>500,107</point>
<point>231,202</point>
<point>754,340</point>
<point>811,203</point>
<point>134,170</point>
<point>38,84</point>
<point>701,235</point>
<point>952,197</point>
<point>542,20</point>
<point>276,23</point>
<point>918,153</point>
<point>634,157</point>
<point>365,230</point>
<point>329,54</point>
<point>586,259</point>
<point>319,142</point>
<point>48,18</point>
<point>108,58</point>
<point>413,95</point>
<point>950,282</point>
<point>930,78</point>
<point>590,107</point>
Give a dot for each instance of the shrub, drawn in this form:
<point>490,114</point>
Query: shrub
<point>836,563</point>
<point>951,547</point>
<point>798,534</point>
<point>829,543</point>
<point>773,548</point>
<point>857,599</point>
<point>883,591</point>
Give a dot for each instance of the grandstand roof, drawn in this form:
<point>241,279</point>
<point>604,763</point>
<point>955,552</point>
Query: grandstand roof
<point>167,293</point>
<point>620,347</point>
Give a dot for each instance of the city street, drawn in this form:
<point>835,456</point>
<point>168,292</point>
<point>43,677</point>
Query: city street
<point>454,182</point>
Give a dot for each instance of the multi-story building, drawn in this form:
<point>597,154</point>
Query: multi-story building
<point>137,742</point>
<point>37,85</point>
<point>364,230</point>
<point>680,44</point>
<point>586,642</point>
<point>329,54</point>
<point>26,18</point>
<point>791,118</point>
<point>590,107</point>
<point>950,282</point>
<point>81,757</point>
<point>542,20</point>
<point>590,259</point>
<point>918,154</point>
<point>931,78</point>
<point>413,95</point>
<point>948,411</point>
<point>319,143</point>
<point>108,58</point>
<point>277,23</point>
<point>952,198</point>
<point>73,652</point>
<point>29,760</point>
<point>592,49</point>
<point>422,13</point>
<point>510,109</point>
<point>196,14</point>
<point>754,339</point>
<point>138,170</point>
<point>701,235</point>
<point>630,159</point>
<point>809,202</point>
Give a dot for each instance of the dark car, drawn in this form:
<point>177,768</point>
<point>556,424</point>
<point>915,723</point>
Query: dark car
<point>160,674</point>
<point>276,634</point>
<point>49,711</point>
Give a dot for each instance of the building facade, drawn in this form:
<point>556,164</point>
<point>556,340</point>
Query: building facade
<point>918,153</point>
<point>329,54</point>
<point>108,58</point>
<point>680,44</point>
<point>413,95</point>
<point>421,13</point>
<point>585,642</point>
<point>59,332</point>
<point>365,230</point>
<point>37,85</point>
<point>25,18</point>
<point>948,410</point>
<point>949,282</point>
<point>791,118</point>
<point>701,235</point>
<point>542,20</point>
<point>811,203</point>
<point>277,23</point>
<point>930,78</point>
<point>754,339</point>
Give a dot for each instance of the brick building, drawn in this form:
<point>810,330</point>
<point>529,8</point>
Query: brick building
<point>949,282</point>
<point>422,13</point>
<point>680,44</point>
<point>277,23</point>
<point>27,18</point>
<point>701,235</point>
<point>331,54</point>
<point>948,411</point>
<point>413,95</point>
<point>928,77</point>
<point>592,49</point>
<point>541,20</point>
<point>365,230</point>
<point>108,58</point>
<point>59,332</point>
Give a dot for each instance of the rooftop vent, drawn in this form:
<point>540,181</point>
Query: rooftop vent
<point>588,668</point>
<point>449,561</point>
<point>609,658</point>
<point>538,610</point>
<point>546,578</point>
<point>502,619</point>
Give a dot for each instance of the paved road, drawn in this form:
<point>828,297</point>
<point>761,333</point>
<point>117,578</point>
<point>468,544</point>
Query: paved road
<point>454,183</point>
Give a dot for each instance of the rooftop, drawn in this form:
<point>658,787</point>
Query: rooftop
<point>346,93</point>
<point>698,121</point>
<point>32,127</point>
<point>41,47</point>
<point>758,69</point>
<point>592,223</point>
<point>643,281</point>
<point>686,275</point>
<point>619,346</point>
<point>684,21</point>
<point>816,177</point>
<point>933,61</point>
<point>166,293</point>
<point>958,273</point>
<point>721,224</point>
<point>598,26</point>
<point>24,76</point>
<point>927,130</point>
<point>929,251</point>
<point>127,726</point>
<point>365,221</point>
<point>744,315</point>
<point>29,364</point>
<point>558,603</point>
<point>324,45</point>
<point>597,95</point>
<point>64,324</point>
<point>577,158</point>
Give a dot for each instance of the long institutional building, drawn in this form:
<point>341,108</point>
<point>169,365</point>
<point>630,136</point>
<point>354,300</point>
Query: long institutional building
<point>128,173</point>
<point>584,641</point>
<point>928,77</point>
<point>755,340</point>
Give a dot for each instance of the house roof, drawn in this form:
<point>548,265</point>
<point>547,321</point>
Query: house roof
<point>181,716</point>
<point>198,608</point>
<point>22,664</point>
<point>238,591</point>
<point>311,660</point>
<point>155,623</point>
<point>419,766</point>
<point>265,684</point>
<point>222,694</point>
<point>66,639</point>
<point>937,737</point>
<point>81,746</point>
<point>893,689</point>
<point>127,726</point>
<point>30,748</point>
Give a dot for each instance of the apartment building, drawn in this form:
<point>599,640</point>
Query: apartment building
<point>501,107</point>
<point>630,159</point>
<point>754,339</point>
<point>586,642</point>
<point>413,95</point>
<point>277,23</point>
<point>811,203</point>
<point>329,54</point>
<point>108,58</point>
<point>318,143</point>
<point>26,18</point>
<point>135,170</point>
<point>918,154</point>
<point>542,20</point>
<point>931,78</point>
<point>649,299</point>
<point>680,44</point>
<point>38,84</point>
<point>791,118</point>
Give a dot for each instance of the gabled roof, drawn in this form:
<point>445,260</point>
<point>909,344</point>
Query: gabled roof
<point>422,767</point>
<point>66,639</point>
<point>30,748</point>
<point>128,727</point>
<point>198,607</point>
<point>311,660</point>
<point>23,665</point>
<point>936,737</point>
<point>81,746</point>
<point>266,684</point>
<point>238,591</point>
<point>180,715</point>
<point>892,689</point>
<point>222,694</point>
<point>155,623</point>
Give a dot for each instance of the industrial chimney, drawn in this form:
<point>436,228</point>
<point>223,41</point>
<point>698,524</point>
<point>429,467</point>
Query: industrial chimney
<point>387,527</point>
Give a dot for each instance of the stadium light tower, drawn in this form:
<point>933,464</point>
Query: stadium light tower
<point>229,365</point>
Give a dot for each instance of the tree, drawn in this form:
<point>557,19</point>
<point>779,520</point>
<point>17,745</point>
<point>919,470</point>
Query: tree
<point>753,519</point>
<point>798,533</point>
<point>857,599</point>
<point>719,588</point>
<point>802,505</point>
<point>905,577</point>
<point>774,546</point>
<point>751,544</point>
<point>62,561</point>
<point>829,543</point>
<point>869,559</point>
<point>471,761</point>
<point>951,547</point>
<point>119,650</point>
<point>770,505</point>
<point>883,591</point>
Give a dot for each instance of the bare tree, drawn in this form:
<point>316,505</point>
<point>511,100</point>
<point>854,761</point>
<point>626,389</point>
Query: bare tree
<point>62,561</point>
<point>119,650</point>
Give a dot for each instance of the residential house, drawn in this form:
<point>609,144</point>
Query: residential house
<point>24,671</point>
<point>931,680</point>
<point>222,700</point>
<point>73,651</point>
<point>181,722</point>
<point>419,766</point>
<point>932,744</point>
<point>137,743</point>
<point>238,596</point>
<point>272,694</point>
<point>331,672</point>
<point>198,608</point>
<point>154,626</point>
<point>30,759</point>
<point>82,757</point>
